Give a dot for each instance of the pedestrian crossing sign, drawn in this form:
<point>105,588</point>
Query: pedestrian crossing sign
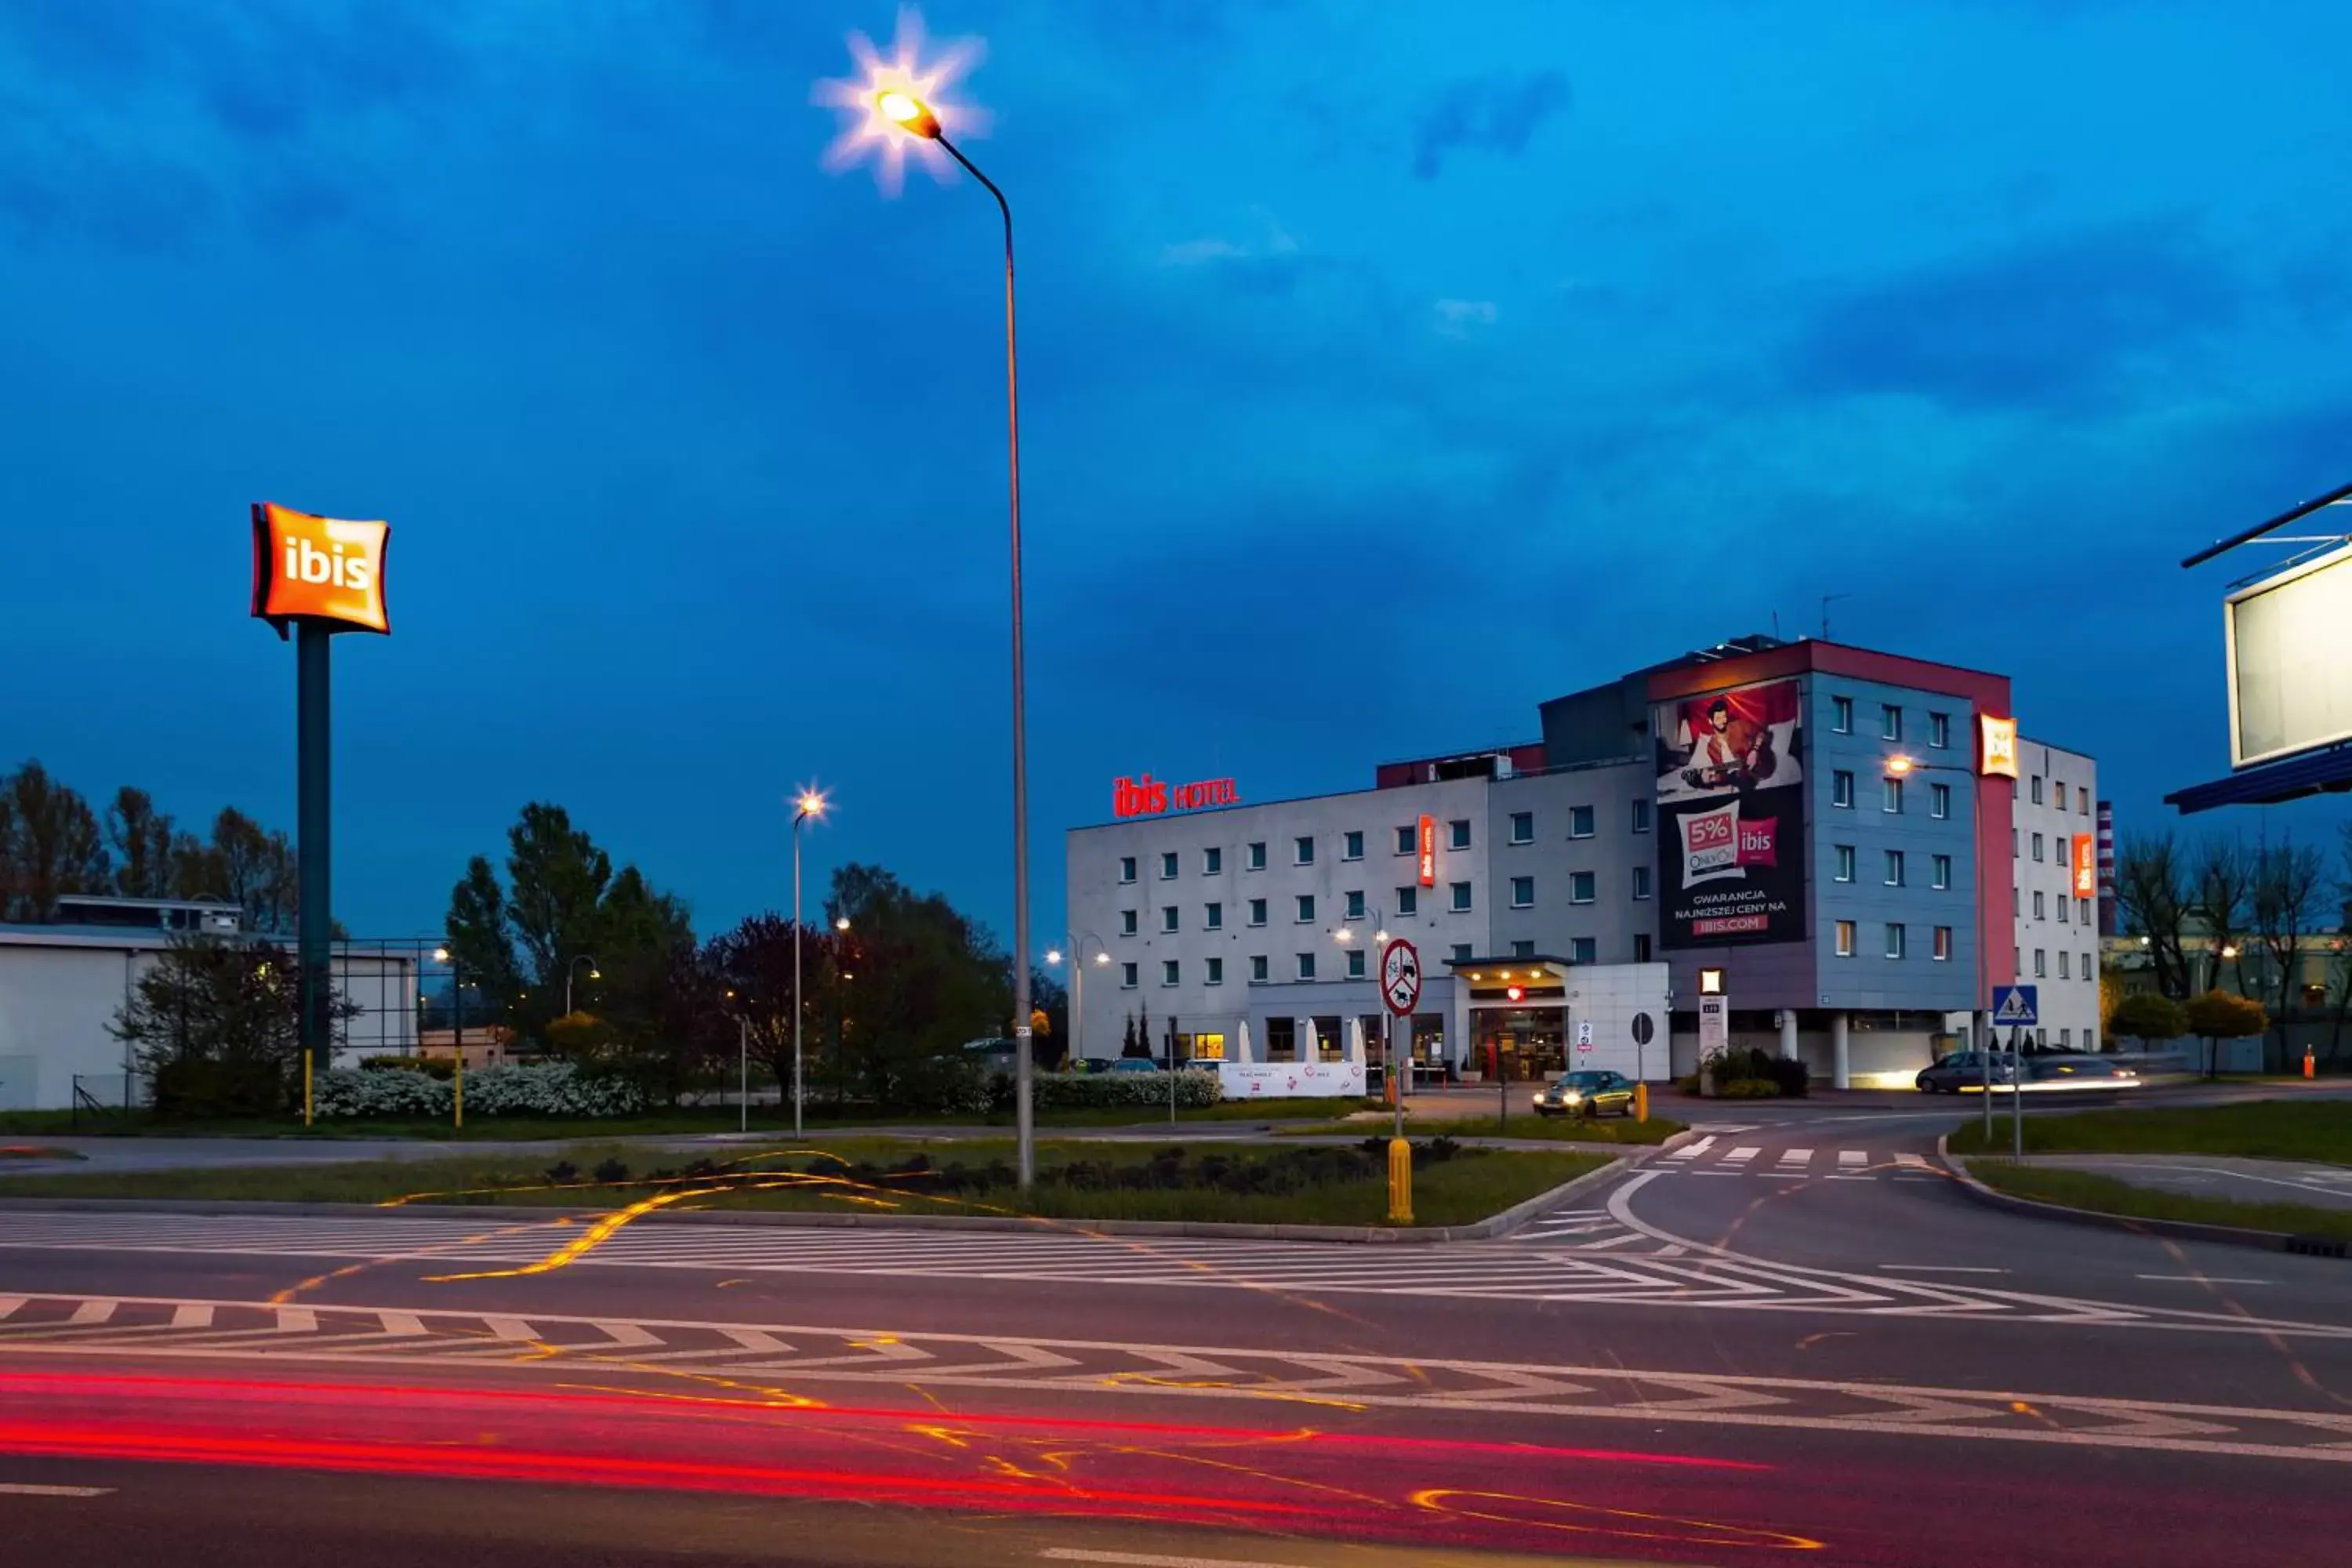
<point>2016,1005</point>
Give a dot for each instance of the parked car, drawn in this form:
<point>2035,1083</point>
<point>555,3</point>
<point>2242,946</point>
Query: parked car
<point>1964,1070</point>
<point>1591,1092</point>
<point>1135,1064</point>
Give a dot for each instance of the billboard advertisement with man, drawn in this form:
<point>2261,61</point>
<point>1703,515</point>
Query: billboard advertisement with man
<point>1731,818</point>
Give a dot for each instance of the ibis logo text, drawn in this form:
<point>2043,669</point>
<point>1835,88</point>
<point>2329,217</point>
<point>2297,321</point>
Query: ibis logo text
<point>1149,796</point>
<point>317,568</point>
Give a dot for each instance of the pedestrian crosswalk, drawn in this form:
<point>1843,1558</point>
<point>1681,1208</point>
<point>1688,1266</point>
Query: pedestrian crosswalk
<point>1726,1154</point>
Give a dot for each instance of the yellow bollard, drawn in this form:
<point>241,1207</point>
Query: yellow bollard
<point>1641,1102</point>
<point>305,1088</point>
<point>1399,1181</point>
<point>460,1081</point>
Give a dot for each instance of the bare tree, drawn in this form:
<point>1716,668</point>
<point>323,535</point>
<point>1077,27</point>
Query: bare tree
<point>2339,961</point>
<point>52,845</point>
<point>142,839</point>
<point>2154,892</point>
<point>2287,880</point>
<point>2223,882</point>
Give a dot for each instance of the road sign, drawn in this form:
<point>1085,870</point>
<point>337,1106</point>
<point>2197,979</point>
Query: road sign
<point>1401,977</point>
<point>1642,1028</point>
<point>1713,1025</point>
<point>2016,1005</point>
<point>1583,1038</point>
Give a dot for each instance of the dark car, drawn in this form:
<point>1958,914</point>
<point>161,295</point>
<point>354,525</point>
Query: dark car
<point>1965,1071</point>
<point>1587,1093</point>
<point>1136,1064</point>
<point>2048,1071</point>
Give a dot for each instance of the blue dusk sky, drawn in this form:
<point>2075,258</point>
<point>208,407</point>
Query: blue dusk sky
<point>1387,369</point>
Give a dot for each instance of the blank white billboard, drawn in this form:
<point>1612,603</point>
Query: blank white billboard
<point>2290,651</point>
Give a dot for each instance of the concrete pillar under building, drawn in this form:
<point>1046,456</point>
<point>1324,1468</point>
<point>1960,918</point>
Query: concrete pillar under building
<point>1840,1071</point>
<point>1788,1034</point>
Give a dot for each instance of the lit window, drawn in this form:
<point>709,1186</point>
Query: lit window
<point>1841,715</point>
<point>1580,888</point>
<point>1216,975</point>
<point>1894,940</point>
<point>1640,881</point>
<point>1580,822</point>
<point>1461,898</point>
<point>1841,789</point>
<point>1458,833</point>
<point>1844,862</point>
<point>1305,907</point>
<point>1845,939</point>
<point>1523,893</point>
<point>1351,847</point>
<point>1523,827</point>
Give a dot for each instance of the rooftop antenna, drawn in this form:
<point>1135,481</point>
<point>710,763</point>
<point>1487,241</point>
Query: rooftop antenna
<point>1827,600</point>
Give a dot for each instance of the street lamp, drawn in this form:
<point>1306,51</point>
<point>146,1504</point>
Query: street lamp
<point>917,118</point>
<point>1345,935</point>
<point>810,803</point>
<point>743,1062</point>
<point>572,969</point>
<point>1900,766</point>
<point>1078,956</point>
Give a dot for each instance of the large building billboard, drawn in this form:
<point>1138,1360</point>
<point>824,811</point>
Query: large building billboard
<point>1731,818</point>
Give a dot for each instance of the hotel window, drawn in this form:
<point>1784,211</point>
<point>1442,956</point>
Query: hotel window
<point>1943,945</point>
<point>1841,789</point>
<point>1894,867</point>
<point>2058,795</point>
<point>2037,905</point>
<point>1216,971</point>
<point>1127,868</point>
<point>1845,939</point>
<point>1127,976</point>
<point>2040,966</point>
<point>2066,1034</point>
<point>2083,808</point>
<point>1356,906</point>
<point>2063,902</point>
<point>1458,833</point>
<point>1213,861</point>
<point>1355,964</point>
<point>2063,957</point>
<point>2087,971</point>
<point>1841,715</point>
<point>2083,910</point>
<point>1407,901</point>
<point>1940,730</point>
<point>1405,839</point>
<point>1281,1040</point>
<point>1213,917</point>
<point>1167,918</point>
<point>1523,827</point>
<point>1257,911</point>
<point>1641,817</point>
<point>1583,950</point>
<point>1939,800</point>
<point>1254,856</point>
<point>1168,867</point>
<point>1844,872</point>
<point>1461,898</point>
<point>2037,846</point>
<point>1523,893</point>
<point>1303,852</point>
<point>1580,886</point>
<point>1257,967</point>
<point>1351,847</point>
<point>1306,966</point>
<point>1580,822</point>
<point>1890,796</point>
<point>1890,722</point>
<point>1640,881</point>
<point>2037,789</point>
<point>1168,971</point>
<point>1461,953</point>
<point>1641,947</point>
<point>1894,940</point>
<point>1305,907</point>
<point>1523,950</point>
<point>1941,868</point>
<point>1127,922</point>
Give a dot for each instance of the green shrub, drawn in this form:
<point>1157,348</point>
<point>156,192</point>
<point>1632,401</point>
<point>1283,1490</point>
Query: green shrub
<point>198,1089</point>
<point>1749,1088</point>
<point>431,1066</point>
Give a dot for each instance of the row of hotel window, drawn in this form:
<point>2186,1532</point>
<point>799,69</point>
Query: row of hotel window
<point>1581,889</point>
<point>1939,736</point>
<point>1580,824</point>
<point>1890,794</point>
<point>2081,907</point>
<point>1898,945</point>
<point>1581,950</point>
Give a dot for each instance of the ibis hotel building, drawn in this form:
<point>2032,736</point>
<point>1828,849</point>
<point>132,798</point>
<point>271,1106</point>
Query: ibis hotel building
<point>1861,843</point>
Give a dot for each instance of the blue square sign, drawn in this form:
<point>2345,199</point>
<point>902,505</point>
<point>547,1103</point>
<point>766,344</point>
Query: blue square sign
<point>2016,1005</point>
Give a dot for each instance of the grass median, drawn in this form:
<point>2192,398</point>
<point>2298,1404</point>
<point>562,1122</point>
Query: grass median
<point>1227,1183</point>
<point>2104,1194</point>
<point>2315,1130</point>
<point>1621,1130</point>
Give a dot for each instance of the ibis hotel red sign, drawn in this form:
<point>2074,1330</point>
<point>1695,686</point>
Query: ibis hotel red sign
<point>1149,796</point>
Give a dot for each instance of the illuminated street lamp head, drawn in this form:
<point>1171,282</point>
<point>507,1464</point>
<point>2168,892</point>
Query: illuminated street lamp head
<point>1899,764</point>
<point>440,956</point>
<point>841,924</point>
<point>594,973</point>
<point>1053,955</point>
<point>1101,959</point>
<point>809,803</point>
<point>1343,935</point>
<point>909,113</point>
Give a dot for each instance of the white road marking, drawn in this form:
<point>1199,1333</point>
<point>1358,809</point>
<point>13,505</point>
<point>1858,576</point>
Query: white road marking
<point>1693,1151</point>
<point>192,1315</point>
<point>406,1324</point>
<point>2200,1279</point>
<point>1850,1158</point>
<point>1945,1268</point>
<point>1742,1155</point>
<point>1798,1157</point>
<point>28,1488</point>
<point>1149,1560</point>
<point>1911,1163</point>
<point>92,1312</point>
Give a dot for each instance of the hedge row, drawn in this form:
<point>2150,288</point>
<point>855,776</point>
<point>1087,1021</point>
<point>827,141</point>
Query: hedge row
<point>1195,1090</point>
<point>553,1088</point>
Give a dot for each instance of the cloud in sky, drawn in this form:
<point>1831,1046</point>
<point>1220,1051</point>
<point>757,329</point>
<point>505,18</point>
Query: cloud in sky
<point>695,461</point>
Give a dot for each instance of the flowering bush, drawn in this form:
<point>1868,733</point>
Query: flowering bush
<point>1195,1090</point>
<point>553,1090</point>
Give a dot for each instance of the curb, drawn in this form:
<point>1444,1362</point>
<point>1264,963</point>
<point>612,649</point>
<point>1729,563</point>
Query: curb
<point>2179,1229</point>
<point>1492,1225</point>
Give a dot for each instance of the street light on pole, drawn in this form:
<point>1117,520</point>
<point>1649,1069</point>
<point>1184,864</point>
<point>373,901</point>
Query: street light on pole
<point>743,1063</point>
<point>572,969</point>
<point>1075,946</point>
<point>918,119</point>
<point>809,803</point>
<point>1901,766</point>
<point>1343,936</point>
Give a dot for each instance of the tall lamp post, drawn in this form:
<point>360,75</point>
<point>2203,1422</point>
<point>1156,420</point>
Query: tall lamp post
<point>916,118</point>
<point>1076,945</point>
<point>1901,766</point>
<point>572,969</point>
<point>1343,936</point>
<point>810,803</point>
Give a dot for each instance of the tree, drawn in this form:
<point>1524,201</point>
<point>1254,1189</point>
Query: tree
<point>2154,895</point>
<point>140,837</point>
<point>2339,952</point>
<point>2288,880</point>
<point>1128,1044</point>
<point>2223,882</point>
<point>50,845</point>
<point>2147,1015</point>
<point>217,1024</point>
<point>2218,1015</point>
<point>930,980</point>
